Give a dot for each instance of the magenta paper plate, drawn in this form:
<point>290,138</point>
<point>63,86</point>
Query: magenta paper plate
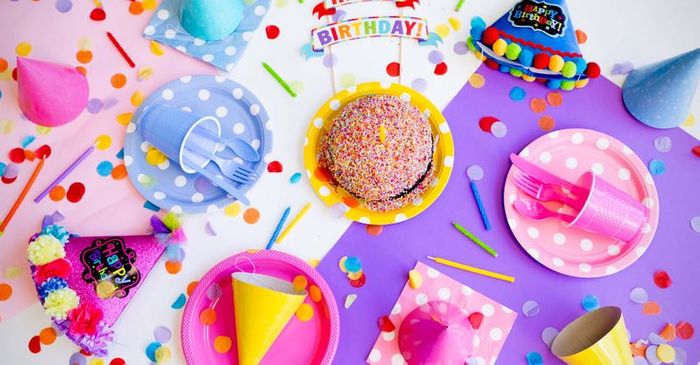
<point>312,342</point>
<point>569,153</point>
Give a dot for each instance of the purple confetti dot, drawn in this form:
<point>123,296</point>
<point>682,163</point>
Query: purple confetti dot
<point>531,308</point>
<point>639,295</point>
<point>63,6</point>
<point>663,144</point>
<point>214,291</point>
<point>162,334</point>
<point>499,129</point>
<point>77,359</point>
<point>435,57</point>
<point>110,102</point>
<point>94,105</point>
<point>548,335</point>
<point>622,68</point>
<point>202,185</point>
<point>339,15</point>
<point>461,48</point>
<point>209,228</point>
<point>638,360</point>
<point>419,84</point>
<point>694,223</point>
<point>11,171</point>
<point>330,60</point>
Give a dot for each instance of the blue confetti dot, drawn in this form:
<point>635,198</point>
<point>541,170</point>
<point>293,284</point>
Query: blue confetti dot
<point>27,140</point>
<point>0,94</point>
<point>353,264</point>
<point>657,167</point>
<point>151,350</point>
<point>179,302</point>
<point>295,178</point>
<point>534,358</point>
<point>104,168</point>
<point>517,94</point>
<point>120,154</point>
<point>590,302</point>
<point>3,166</point>
<point>64,6</point>
<point>150,206</point>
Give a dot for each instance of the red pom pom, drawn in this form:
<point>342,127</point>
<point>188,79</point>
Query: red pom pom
<point>491,64</point>
<point>593,70</point>
<point>489,36</point>
<point>541,61</point>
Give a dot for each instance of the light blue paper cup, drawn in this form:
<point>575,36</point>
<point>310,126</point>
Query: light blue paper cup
<point>169,130</point>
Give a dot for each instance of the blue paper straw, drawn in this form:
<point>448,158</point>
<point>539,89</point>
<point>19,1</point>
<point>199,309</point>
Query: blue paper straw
<point>480,205</point>
<point>276,233</point>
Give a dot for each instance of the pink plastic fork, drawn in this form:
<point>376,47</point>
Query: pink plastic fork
<point>534,210</point>
<point>543,191</point>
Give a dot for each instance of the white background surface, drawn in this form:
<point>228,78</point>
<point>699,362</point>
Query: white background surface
<point>629,30</point>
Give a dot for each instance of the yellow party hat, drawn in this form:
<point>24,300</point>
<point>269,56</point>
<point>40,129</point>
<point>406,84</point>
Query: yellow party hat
<point>263,306</point>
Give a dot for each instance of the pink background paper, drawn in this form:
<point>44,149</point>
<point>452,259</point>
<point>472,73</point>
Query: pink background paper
<point>487,340</point>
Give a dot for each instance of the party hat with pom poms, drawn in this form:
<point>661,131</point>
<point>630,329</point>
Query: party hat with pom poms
<point>535,40</point>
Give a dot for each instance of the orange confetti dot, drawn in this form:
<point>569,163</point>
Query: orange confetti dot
<point>546,122</point>
<point>57,193</point>
<point>651,308</point>
<point>315,293</point>
<point>82,70</point>
<point>477,81</point>
<point>84,56</point>
<point>581,36</point>
<point>173,267</point>
<point>207,317</point>
<point>373,230</point>
<point>638,349</point>
<point>668,333</point>
<point>299,283</point>
<point>5,291</point>
<point>305,312</point>
<point>3,64</point>
<point>119,172</point>
<point>538,105</point>
<point>554,98</point>
<point>191,286</point>
<point>251,215</point>
<point>351,202</point>
<point>118,80</point>
<point>47,336</point>
<point>135,8</point>
<point>222,344</point>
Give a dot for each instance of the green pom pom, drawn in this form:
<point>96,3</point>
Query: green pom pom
<point>513,51</point>
<point>470,44</point>
<point>516,72</point>
<point>569,69</point>
<point>567,85</point>
<point>172,221</point>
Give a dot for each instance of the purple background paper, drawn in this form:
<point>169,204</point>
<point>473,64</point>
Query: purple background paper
<point>387,258</point>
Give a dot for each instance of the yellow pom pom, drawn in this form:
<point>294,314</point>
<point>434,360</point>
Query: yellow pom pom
<point>45,249</point>
<point>528,78</point>
<point>556,63</point>
<point>163,355</point>
<point>59,302</point>
<point>499,47</point>
<point>581,83</point>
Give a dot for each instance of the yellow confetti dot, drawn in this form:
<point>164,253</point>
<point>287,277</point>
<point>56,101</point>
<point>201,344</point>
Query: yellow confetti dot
<point>156,48</point>
<point>690,121</point>
<point>43,130</point>
<point>149,4</point>
<point>442,30</point>
<point>281,3</point>
<point>12,272</point>
<point>347,80</point>
<point>154,157</point>
<point>7,126</point>
<point>477,81</point>
<point>341,264</point>
<point>163,355</point>
<point>305,312</point>
<point>103,142</point>
<point>297,86</point>
<point>315,293</point>
<point>23,49</point>
<point>314,262</point>
<point>233,210</point>
<point>455,23</point>
<point>145,73</point>
<point>84,43</point>
<point>222,344</point>
<point>137,98</point>
<point>124,118</point>
<point>415,279</point>
<point>666,353</point>
<point>299,283</point>
<point>96,361</point>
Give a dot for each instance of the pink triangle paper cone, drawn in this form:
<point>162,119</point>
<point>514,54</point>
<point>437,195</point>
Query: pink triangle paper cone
<point>435,333</point>
<point>50,94</point>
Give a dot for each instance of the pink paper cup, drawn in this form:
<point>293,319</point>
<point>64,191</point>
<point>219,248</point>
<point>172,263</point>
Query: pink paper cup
<point>609,211</point>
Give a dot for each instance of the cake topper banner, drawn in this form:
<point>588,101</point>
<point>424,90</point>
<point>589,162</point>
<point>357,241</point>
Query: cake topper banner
<point>327,7</point>
<point>385,26</point>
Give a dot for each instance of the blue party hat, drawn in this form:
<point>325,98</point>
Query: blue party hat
<point>211,20</point>
<point>534,40</point>
<point>659,95</point>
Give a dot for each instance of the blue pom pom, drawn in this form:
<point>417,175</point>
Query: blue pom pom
<point>57,231</point>
<point>476,32</point>
<point>51,284</point>
<point>554,84</point>
<point>580,65</point>
<point>504,68</point>
<point>478,22</point>
<point>175,253</point>
<point>526,57</point>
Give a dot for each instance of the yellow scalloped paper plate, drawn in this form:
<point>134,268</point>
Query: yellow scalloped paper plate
<point>331,196</point>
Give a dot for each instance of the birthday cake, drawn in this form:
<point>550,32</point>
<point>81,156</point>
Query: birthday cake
<point>380,150</point>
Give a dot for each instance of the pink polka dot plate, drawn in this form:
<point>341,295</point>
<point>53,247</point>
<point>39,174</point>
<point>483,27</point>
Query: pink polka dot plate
<point>311,342</point>
<point>569,153</point>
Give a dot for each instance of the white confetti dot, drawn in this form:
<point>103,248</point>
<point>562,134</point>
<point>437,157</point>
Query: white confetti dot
<point>577,138</point>
<point>602,143</point>
<point>238,128</point>
<point>197,197</point>
<point>487,310</point>
<point>571,163</point>
<point>421,299</point>
<point>204,94</point>
<point>167,94</point>
<point>230,50</point>
<point>163,14</point>
<point>159,195</point>
<point>558,262</point>
<point>545,157</point>
<point>237,93</point>
<point>254,109</point>
<point>613,250</point>
<point>208,57</point>
<point>198,41</point>
<point>496,334</point>
<point>586,244</point>
<point>149,30</point>
<point>324,191</point>
<point>374,356</point>
<point>559,239</point>
<point>533,232</point>
<point>180,181</point>
<point>444,293</point>
<point>221,111</point>
<point>170,33</point>
<point>584,267</point>
<point>432,273</point>
<point>623,174</point>
<point>259,10</point>
<point>597,168</point>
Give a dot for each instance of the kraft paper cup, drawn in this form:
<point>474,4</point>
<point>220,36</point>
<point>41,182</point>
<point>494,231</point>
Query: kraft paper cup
<point>596,338</point>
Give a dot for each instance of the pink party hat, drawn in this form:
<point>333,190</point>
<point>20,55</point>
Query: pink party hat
<point>84,283</point>
<point>50,94</point>
<point>434,333</point>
